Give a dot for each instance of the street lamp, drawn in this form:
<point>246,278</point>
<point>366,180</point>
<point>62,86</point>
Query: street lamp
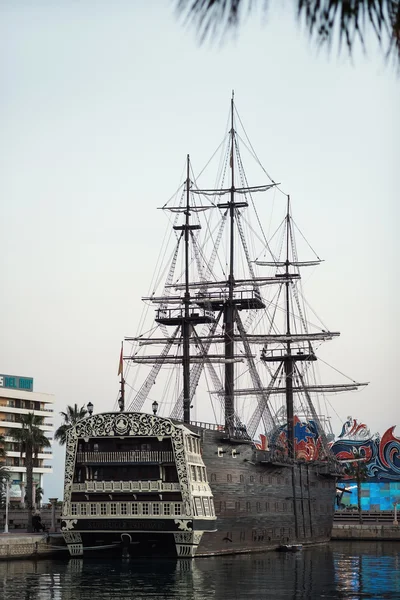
<point>154,406</point>
<point>90,408</point>
<point>53,502</point>
<point>395,521</point>
<point>6,484</point>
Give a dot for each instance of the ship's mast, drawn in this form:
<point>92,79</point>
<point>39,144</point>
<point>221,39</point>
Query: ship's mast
<point>186,304</point>
<point>229,306</point>
<point>121,399</point>
<point>288,361</point>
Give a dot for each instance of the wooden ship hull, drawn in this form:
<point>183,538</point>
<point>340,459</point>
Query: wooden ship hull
<point>191,492</point>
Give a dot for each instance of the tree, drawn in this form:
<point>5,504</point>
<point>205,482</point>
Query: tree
<point>4,478</point>
<point>31,439</point>
<point>2,446</point>
<point>71,417</point>
<point>324,19</point>
<point>38,495</point>
<point>357,471</point>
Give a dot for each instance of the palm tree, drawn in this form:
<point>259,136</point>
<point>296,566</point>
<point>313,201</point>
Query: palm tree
<point>2,446</point>
<point>31,439</point>
<point>4,477</point>
<point>324,19</point>
<point>357,470</point>
<point>38,495</point>
<point>71,417</point>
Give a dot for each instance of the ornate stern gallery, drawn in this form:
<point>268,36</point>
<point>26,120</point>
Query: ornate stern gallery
<point>122,490</point>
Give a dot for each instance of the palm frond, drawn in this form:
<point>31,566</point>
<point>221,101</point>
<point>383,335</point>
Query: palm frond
<point>324,19</point>
<point>71,416</point>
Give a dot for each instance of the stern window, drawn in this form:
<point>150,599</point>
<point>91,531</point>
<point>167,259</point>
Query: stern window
<point>199,508</point>
<point>206,507</point>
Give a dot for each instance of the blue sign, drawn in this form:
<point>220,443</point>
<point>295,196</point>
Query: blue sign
<point>15,382</point>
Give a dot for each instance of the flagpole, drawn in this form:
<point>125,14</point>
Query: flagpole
<point>121,400</point>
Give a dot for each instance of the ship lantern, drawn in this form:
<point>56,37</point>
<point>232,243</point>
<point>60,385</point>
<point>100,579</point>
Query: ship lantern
<point>90,408</point>
<point>154,406</point>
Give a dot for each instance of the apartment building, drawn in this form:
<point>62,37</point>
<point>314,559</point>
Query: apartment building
<point>18,398</point>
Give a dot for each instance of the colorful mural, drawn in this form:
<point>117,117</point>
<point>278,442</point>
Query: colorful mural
<point>381,455</point>
<point>307,440</point>
<point>374,496</point>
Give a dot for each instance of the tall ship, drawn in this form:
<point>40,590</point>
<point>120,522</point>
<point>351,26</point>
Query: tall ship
<point>216,443</point>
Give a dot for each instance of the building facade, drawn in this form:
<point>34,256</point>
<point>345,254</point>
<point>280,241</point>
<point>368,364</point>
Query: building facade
<point>17,398</point>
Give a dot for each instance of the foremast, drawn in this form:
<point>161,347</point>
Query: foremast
<point>187,320</point>
<point>288,360</point>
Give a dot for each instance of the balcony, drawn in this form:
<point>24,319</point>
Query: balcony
<point>149,510</point>
<point>45,469</point>
<point>41,455</point>
<point>126,486</point>
<point>16,410</point>
<point>132,456</point>
<point>10,422</point>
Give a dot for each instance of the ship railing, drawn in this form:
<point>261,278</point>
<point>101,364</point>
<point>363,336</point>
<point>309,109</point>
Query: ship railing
<point>131,456</point>
<point>211,426</point>
<point>244,294</point>
<point>200,487</point>
<point>127,509</point>
<point>126,486</point>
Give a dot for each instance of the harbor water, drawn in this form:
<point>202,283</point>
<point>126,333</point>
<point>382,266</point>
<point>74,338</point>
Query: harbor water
<point>350,570</point>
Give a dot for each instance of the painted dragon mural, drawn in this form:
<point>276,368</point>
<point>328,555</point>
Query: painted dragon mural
<point>381,454</point>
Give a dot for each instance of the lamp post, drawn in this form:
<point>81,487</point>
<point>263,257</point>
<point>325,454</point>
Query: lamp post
<point>6,484</point>
<point>53,502</point>
<point>395,521</point>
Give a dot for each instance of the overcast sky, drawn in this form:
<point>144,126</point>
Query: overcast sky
<point>100,103</point>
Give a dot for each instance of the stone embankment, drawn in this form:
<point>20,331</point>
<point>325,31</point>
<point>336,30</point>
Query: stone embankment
<point>376,525</point>
<point>30,545</point>
<point>369,531</point>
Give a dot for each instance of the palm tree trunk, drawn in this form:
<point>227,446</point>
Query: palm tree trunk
<point>358,479</point>
<point>29,483</point>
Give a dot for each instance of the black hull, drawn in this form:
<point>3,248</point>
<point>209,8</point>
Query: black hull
<point>259,505</point>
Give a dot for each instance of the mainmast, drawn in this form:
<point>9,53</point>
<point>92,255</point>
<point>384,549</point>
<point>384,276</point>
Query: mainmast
<point>229,306</point>
<point>186,305</point>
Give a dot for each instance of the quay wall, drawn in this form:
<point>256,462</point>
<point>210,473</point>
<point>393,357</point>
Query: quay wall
<point>18,518</point>
<point>355,531</point>
<point>25,545</point>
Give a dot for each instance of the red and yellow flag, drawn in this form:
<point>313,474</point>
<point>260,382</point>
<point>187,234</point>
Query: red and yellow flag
<point>121,363</point>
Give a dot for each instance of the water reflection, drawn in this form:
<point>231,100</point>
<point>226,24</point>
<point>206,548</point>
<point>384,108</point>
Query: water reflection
<point>367,570</point>
<point>339,570</point>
